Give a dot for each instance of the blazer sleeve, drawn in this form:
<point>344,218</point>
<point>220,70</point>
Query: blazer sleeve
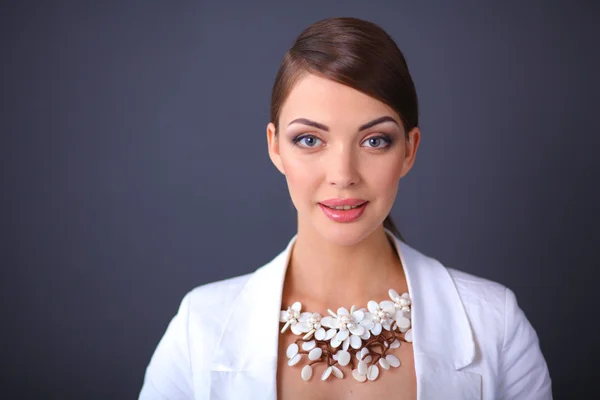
<point>168,375</point>
<point>523,369</point>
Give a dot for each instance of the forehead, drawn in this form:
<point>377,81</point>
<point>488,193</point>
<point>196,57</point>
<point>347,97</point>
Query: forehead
<point>331,103</point>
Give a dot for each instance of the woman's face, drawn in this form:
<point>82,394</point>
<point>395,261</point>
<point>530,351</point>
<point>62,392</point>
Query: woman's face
<point>332,149</point>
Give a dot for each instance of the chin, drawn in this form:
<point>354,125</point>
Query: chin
<point>345,234</point>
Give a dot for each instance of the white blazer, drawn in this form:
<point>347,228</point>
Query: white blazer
<point>470,338</point>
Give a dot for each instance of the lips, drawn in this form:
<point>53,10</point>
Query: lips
<point>353,209</point>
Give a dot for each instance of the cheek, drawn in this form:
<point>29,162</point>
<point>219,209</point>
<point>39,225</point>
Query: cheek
<point>386,181</point>
<point>301,175</point>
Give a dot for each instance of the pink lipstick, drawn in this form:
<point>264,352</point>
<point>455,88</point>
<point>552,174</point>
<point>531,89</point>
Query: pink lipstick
<point>343,210</point>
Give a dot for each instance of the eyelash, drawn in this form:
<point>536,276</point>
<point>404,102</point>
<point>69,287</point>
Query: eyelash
<point>386,139</point>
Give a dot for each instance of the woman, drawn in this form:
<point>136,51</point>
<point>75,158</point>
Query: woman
<point>347,309</point>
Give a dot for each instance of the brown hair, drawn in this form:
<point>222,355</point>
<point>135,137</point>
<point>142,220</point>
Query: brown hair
<point>355,53</point>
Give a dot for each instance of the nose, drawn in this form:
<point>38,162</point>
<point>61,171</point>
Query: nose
<point>342,168</point>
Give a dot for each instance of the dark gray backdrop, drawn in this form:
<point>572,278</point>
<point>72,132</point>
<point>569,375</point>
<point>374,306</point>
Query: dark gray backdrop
<point>134,167</point>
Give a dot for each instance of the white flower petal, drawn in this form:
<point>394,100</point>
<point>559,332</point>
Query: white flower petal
<point>364,352</point>
<point>341,335</point>
<point>372,372</point>
<point>283,316</point>
<point>315,354</point>
<point>303,326</point>
<point>337,372</point>
<point>306,346</point>
<point>306,373</point>
<point>296,329</point>
<point>392,360</point>
<point>367,323</point>
<point>368,359</point>
<point>346,343</point>
<point>393,294</point>
<point>357,330</point>
<point>402,322</point>
<point>388,306</point>
<point>376,330</point>
<point>294,360</point>
<point>342,311</point>
<point>399,314</point>
<point>408,336</point>
<point>309,335</point>
<point>320,334</point>
<point>362,368</point>
<point>343,357</point>
<point>384,363</point>
<point>358,376</point>
<point>328,321</point>
<point>373,306</point>
<point>387,325</point>
<point>395,344</point>
<point>358,315</point>
<point>330,334</point>
<point>335,342</point>
<point>297,306</point>
<point>326,373</point>
<point>292,350</point>
<point>304,316</point>
<point>355,342</point>
<point>366,335</point>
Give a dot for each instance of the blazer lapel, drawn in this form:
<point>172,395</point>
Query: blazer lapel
<point>443,341</point>
<point>245,360</point>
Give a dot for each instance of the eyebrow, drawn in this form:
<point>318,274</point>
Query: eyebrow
<point>323,127</point>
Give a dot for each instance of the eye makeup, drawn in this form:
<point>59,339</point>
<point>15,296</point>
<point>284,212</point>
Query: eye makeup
<point>304,136</point>
<point>385,138</point>
<point>312,141</point>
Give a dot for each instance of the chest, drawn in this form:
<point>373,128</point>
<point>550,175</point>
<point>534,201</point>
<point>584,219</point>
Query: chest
<point>394,383</point>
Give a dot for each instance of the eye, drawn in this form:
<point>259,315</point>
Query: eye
<point>378,142</point>
<point>307,141</point>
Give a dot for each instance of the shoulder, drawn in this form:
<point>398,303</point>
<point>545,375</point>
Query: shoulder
<point>210,303</point>
<point>477,291</point>
<point>485,303</point>
<point>216,295</point>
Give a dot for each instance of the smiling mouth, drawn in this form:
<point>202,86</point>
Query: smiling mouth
<point>346,207</point>
<point>345,212</point>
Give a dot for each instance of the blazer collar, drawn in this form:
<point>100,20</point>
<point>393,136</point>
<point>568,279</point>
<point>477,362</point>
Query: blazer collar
<point>442,336</point>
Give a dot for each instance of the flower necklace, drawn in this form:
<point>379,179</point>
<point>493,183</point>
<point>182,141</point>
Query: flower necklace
<point>365,334</point>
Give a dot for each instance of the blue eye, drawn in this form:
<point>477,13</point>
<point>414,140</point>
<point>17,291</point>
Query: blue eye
<point>378,142</point>
<point>307,141</point>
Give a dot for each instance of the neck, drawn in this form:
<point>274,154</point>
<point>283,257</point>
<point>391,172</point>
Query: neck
<point>324,272</point>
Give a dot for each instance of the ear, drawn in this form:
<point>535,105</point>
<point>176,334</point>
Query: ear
<point>273,146</point>
<point>412,145</point>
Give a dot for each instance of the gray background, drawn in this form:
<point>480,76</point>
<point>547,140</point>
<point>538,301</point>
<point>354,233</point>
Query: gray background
<point>134,167</point>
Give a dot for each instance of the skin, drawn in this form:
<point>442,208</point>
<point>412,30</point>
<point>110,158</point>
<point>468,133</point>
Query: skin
<point>337,264</point>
